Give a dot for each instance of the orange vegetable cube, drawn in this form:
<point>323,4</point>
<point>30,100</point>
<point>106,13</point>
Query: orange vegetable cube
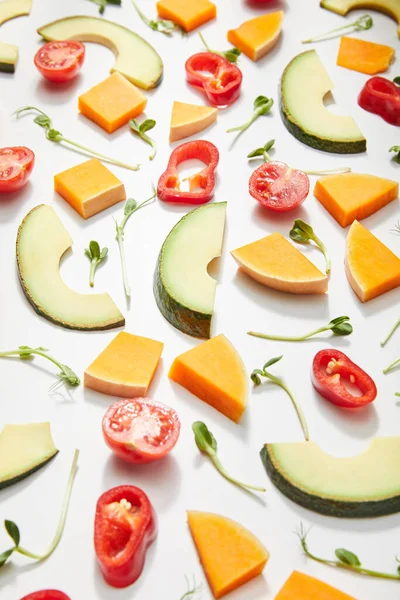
<point>188,14</point>
<point>365,57</point>
<point>258,36</point>
<point>304,587</point>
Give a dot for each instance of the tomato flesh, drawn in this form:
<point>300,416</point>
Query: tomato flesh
<point>60,61</point>
<point>278,187</point>
<point>46,595</point>
<point>16,164</point>
<point>140,430</point>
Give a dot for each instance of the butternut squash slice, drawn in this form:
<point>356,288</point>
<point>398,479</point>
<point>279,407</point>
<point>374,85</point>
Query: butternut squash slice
<point>371,268</point>
<point>230,555</point>
<point>187,14</point>
<point>304,587</point>
<point>258,36</point>
<point>364,57</point>
<point>189,119</point>
<point>352,196</point>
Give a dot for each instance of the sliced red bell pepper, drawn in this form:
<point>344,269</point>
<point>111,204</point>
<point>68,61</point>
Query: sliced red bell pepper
<point>222,85</point>
<point>125,525</point>
<point>382,97</point>
<point>329,369</point>
<point>46,595</point>
<point>168,188</point>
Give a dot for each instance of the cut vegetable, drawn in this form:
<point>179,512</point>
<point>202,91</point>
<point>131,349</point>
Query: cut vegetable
<point>189,119</point>
<point>342,7</point>
<point>364,57</point>
<point>258,36</point>
<point>304,587</point>
<point>372,268</point>
<point>23,450</point>
<point>229,553</point>
<point>188,15</point>
<point>214,372</point>
<point>354,196</point>
<point>304,113</point>
<point>365,485</point>
<point>60,61</point>
<point>42,240</point>
<point>276,263</point>
<point>135,58</point>
<point>183,289</point>
<point>278,187</point>
<point>125,367</point>
<point>10,9</point>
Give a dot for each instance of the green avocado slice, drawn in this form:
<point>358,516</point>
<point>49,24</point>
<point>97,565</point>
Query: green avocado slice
<point>366,485</point>
<point>23,450</point>
<point>10,9</point>
<point>342,7</point>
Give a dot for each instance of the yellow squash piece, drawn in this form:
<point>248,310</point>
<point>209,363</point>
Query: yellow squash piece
<point>214,372</point>
<point>189,119</point>
<point>276,263</point>
<point>371,268</point>
<point>112,102</point>
<point>364,57</point>
<point>188,14</point>
<point>258,36</point>
<point>351,196</point>
<point>89,187</point>
<point>229,553</point>
<point>304,587</point>
<point>342,7</point>
<point>126,366</point>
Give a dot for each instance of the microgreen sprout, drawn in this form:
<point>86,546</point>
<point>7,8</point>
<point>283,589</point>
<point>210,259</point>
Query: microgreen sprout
<point>14,533</point>
<point>396,228</point>
<point>96,256</point>
<point>256,379</point>
<point>141,129</point>
<point>338,326</point>
<point>396,80</point>
<point>192,589</point>
<point>103,3</point>
<point>261,106</point>
<point>362,24</point>
<point>207,443</point>
<point>161,25</point>
<point>302,233</point>
<point>231,55</point>
<point>396,157</point>
<point>53,135</point>
<point>391,332</point>
<point>391,366</point>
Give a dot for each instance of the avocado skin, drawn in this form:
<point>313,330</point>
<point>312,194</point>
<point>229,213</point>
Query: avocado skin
<point>7,482</point>
<point>6,67</point>
<point>331,507</point>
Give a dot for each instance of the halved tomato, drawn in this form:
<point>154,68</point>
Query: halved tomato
<point>46,595</point>
<point>140,430</point>
<point>16,164</point>
<point>60,61</point>
<point>278,187</point>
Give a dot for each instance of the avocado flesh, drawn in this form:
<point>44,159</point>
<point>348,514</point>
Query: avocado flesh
<point>366,485</point>
<point>8,57</point>
<point>183,289</point>
<point>10,9</point>
<point>41,242</point>
<point>342,7</point>
<point>23,450</point>
<point>135,58</point>
<point>305,83</point>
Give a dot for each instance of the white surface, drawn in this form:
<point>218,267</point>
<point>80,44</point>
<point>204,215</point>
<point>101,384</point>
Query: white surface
<point>185,480</point>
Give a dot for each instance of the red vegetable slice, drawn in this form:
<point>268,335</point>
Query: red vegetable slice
<point>141,430</point>
<point>382,97</point>
<point>60,61</point>
<point>329,369</point>
<point>220,79</point>
<point>16,164</point>
<point>278,187</point>
<point>47,595</point>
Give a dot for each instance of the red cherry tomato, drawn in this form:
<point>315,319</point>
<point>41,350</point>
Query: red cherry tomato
<point>46,595</point>
<point>278,187</point>
<point>60,61</point>
<point>140,430</point>
<point>16,164</point>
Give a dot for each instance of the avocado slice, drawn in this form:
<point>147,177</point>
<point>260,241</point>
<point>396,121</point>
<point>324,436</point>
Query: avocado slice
<point>135,58</point>
<point>23,450</point>
<point>41,241</point>
<point>304,84</point>
<point>183,289</point>
<point>342,7</point>
<point>366,485</point>
<point>10,9</point>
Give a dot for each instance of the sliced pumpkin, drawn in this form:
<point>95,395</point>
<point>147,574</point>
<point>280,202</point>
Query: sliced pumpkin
<point>230,554</point>
<point>351,196</point>
<point>258,36</point>
<point>371,267</point>
<point>365,57</point>
<point>276,263</point>
<point>187,14</point>
<point>189,119</point>
<point>304,587</point>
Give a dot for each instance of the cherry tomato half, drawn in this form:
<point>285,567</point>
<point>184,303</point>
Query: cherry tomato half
<point>60,61</point>
<point>278,187</point>
<point>140,430</point>
<point>16,164</point>
<point>46,595</point>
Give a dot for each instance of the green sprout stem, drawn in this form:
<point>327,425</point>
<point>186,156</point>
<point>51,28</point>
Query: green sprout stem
<point>192,589</point>
<point>218,465</point>
<point>339,326</point>
<point>392,366</point>
<point>164,26</point>
<point>66,374</point>
<point>391,332</point>
<point>363,23</point>
<point>303,233</point>
<point>231,55</point>
<point>261,106</point>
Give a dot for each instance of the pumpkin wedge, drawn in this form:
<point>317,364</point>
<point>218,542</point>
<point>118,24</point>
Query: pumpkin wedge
<point>230,554</point>
<point>276,263</point>
<point>371,268</point>
<point>364,57</point>
<point>300,586</point>
<point>189,119</point>
<point>258,36</point>
<point>351,196</point>
<point>187,14</point>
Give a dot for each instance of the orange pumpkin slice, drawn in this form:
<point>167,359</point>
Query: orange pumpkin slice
<point>189,119</point>
<point>371,268</point>
<point>304,587</point>
<point>365,57</point>
<point>258,36</point>
<point>276,263</point>
<point>230,554</point>
<point>188,14</point>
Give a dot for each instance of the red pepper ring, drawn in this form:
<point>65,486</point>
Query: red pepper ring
<point>382,97</point>
<point>222,87</point>
<point>125,525</point>
<point>46,595</point>
<point>168,188</point>
<point>329,368</point>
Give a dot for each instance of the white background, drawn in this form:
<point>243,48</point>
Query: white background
<point>185,480</point>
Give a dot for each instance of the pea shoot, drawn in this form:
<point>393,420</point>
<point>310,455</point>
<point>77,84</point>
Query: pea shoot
<point>302,233</point>
<point>96,256</point>
<point>103,3</point>
<point>231,55</point>
<point>396,80</point>
<point>161,25</point>
<point>392,366</point>
<point>141,129</point>
<point>396,157</point>
<point>391,332</point>
<point>192,589</point>
<point>362,24</point>
<point>338,326</point>
<point>261,106</point>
